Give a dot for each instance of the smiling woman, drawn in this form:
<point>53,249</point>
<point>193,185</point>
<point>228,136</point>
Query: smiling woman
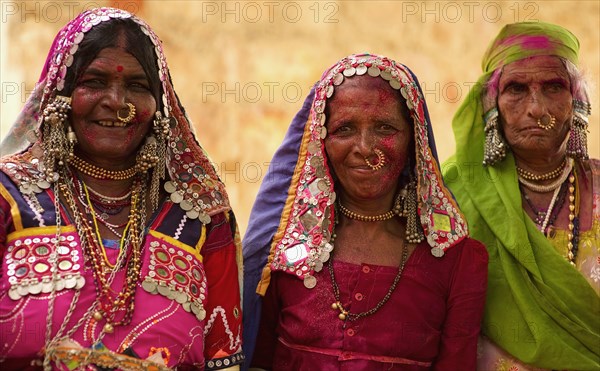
<point>356,256</point>
<point>116,235</point>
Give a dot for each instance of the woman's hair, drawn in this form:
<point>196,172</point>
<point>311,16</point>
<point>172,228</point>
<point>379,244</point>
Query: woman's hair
<point>578,85</point>
<point>116,33</point>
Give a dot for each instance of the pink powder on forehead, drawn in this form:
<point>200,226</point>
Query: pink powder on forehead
<point>386,96</point>
<point>528,42</point>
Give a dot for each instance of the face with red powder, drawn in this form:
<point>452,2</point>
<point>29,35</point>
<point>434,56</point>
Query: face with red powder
<point>365,114</point>
<point>112,80</point>
<point>529,89</point>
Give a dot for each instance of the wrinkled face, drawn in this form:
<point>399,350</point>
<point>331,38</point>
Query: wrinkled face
<point>365,114</point>
<point>112,80</point>
<point>529,89</point>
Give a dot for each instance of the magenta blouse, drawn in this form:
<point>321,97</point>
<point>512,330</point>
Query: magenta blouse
<point>431,321</point>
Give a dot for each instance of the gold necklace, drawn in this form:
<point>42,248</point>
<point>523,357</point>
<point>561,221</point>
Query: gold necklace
<point>527,175</point>
<point>100,173</point>
<point>366,218</point>
<point>543,188</point>
<point>345,314</point>
<point>573,234</point>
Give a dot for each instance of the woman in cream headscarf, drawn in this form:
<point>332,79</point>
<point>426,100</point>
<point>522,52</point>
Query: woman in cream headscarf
<point>535,202</point>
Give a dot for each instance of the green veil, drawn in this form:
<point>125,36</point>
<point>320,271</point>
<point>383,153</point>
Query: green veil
<point>539,308</point>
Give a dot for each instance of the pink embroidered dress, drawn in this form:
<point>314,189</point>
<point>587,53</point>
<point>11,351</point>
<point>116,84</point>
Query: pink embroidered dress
<point>187,312</point>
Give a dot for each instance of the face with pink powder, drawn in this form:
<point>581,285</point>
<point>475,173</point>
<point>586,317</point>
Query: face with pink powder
<point>113,79</point>
<point>365,114</point>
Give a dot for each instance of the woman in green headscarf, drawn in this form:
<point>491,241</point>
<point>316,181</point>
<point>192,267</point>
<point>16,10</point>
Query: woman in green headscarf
<point>522,176</point>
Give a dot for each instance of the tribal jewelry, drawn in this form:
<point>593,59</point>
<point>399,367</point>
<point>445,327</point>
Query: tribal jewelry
<point>540,214</point>
<point>547,121</point>
<point>527,175</point>
<point>539,188</point>
<point>108,198</point>
<point>380,160</point>
<point>130,116</point>
<point>495,146</point>
<point>345,314</point>
<point>573,245</point>
<point>100,173</point>
<point>365,218</point>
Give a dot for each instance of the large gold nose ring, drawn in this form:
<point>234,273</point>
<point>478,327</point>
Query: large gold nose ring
<point>546,122</point>
<point>130,116</point>
<point>380,160</point>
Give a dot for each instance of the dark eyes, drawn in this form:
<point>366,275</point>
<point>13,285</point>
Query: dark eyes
<point>549,87</point>
<point>99,83</point>
<point>348,129</point>
<point>387,128</point>
<point>515,88</point>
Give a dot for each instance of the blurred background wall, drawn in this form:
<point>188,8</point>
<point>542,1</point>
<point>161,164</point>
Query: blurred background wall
<point>243,68</point>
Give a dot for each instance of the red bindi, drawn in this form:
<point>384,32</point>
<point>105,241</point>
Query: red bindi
<point>119,68</point>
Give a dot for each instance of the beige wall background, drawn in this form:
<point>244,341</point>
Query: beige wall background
<point>243,68</point>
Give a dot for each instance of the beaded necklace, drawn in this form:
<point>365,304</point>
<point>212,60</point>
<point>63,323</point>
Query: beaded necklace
<point>572,245</point>
<point>551,214</point>
<point>100,173</point>
<point>541,214</point>
<point>66,188</point>
<point>527,175</point>
<point>108,304</point>
<point>345,314</point>
<point>366,218</point>
<point>91,211</point>
<point>543,188</point>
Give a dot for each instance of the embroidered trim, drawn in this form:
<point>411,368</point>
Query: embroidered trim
<point>29,260</point>
<point>232,360</point>
<point>173,273</point>
<point>234,340</point>
<point>103,358</point>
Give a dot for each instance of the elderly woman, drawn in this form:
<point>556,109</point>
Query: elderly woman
<point>404,286</point>
<point>118,245</point>
<point>522,176</point>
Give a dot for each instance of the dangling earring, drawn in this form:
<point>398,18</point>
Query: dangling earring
<point>494,148</point>
<point>577,142</point>
<point>405,206</point>
<point>147,156</point>
<point>162,132</point>
<point>58,145</point>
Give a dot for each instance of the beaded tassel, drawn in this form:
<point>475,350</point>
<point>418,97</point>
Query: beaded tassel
<point>577,143</point>
<point>58,144</point>
<point>162,132</point>
<point>494,148</point>
<point>414,231</point>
